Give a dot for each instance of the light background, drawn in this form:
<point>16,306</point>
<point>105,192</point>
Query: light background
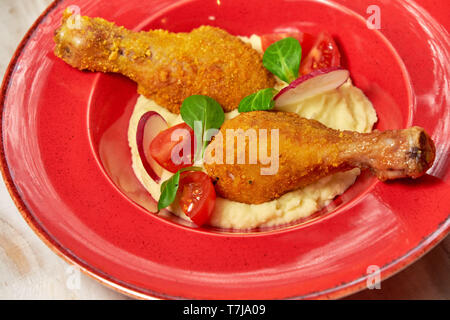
<point>30,270</point>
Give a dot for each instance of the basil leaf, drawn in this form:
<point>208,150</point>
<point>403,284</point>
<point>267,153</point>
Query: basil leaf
<point>169,188</point>
<point>201,113</point>
<point>282,58</point>
<point>261,100</point>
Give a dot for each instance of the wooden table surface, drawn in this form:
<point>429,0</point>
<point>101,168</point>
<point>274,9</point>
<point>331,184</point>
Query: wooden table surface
<point>30,270</point>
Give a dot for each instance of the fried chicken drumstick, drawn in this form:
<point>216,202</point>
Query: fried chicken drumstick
<point>168,67</point>
<point>309,151</point>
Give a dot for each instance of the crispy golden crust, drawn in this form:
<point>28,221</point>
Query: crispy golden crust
<point>307,152</point>
<point>297,166</point>
<point>168,67</point>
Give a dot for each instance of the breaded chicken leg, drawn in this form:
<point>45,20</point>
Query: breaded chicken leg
<point>168,67</point>
<point>307,152</point>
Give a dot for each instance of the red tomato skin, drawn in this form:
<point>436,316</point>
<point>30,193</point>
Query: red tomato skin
<point>162,145</point>
<point>324,54</point>
<point>318,51</point>
<point>197,196</point>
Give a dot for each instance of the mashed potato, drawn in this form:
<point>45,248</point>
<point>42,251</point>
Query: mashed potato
<point>345,108</point>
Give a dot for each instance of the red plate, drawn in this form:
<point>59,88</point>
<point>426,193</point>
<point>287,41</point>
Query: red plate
<point>66,162</point>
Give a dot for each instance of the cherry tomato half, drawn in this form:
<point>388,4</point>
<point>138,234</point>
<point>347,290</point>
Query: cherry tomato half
<point>324,54</point>
<point>173,154</point>
<point>318,51</point>
<point>197,196</point>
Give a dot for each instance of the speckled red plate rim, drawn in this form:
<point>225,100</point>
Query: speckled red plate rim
<point>339,291</point>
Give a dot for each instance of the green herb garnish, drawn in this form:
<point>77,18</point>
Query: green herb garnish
<point>169,188</point>
<point>282,58</point>
<point>261,100</point>
<point>201,113</point>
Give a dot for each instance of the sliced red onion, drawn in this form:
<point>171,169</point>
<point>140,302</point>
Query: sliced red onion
<point>309,85</point>
<point>150,124</point>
